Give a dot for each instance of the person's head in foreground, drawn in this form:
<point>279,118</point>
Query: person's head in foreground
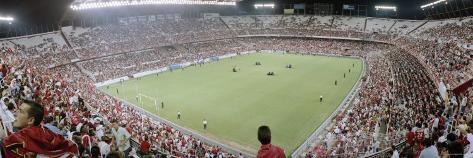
<point>28,114</point>
<point>264,135</point>
<point>31,139</point>
<point>267,150</point>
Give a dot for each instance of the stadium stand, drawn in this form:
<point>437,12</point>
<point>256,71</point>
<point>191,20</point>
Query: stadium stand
<point>295,22</point>
<point>399,91</point>
<point>349,23</point>
<point>375,25</point>
<point>268,21</point>
<point>403,27</point>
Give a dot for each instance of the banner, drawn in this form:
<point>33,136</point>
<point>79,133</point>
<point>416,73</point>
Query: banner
<point>170,16</point>
<point>288,11</point>
<point>132,19</point>
<point>463,87</point>
<point>211,15</point>
<point>142,18</point>
<point>123,21</point>
<point>174,67</point>
<point>214,58</point>
<point>348,7</point>
<point>151,18</point>
<point>177,16</point>
<point>160,17</point>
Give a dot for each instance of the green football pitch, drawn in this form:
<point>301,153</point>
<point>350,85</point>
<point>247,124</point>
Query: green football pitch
<point>235,104</point>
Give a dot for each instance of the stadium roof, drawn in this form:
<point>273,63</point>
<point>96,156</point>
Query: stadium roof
<point>33,12</point>
<point>96,1</point>
<point>92,4</point>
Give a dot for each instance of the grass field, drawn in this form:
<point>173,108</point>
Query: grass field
<point>235,104</point>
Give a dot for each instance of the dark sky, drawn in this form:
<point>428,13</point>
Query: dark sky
<point>37,12</point>
<point>34,11</point>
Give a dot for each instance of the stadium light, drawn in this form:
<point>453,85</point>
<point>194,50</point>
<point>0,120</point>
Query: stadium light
<point>93,5</point>
<point>9,19</point>
<point>378,7</point>
<point>433,3</point>
<point>268,5</point>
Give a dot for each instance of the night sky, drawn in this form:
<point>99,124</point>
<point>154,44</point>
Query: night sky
<point>34,11</point>
<point>43,12</point>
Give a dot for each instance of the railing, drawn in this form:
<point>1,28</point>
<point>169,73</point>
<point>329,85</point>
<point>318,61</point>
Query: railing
<point>383,153</point>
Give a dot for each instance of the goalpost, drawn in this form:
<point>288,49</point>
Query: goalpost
<point>148,100</point>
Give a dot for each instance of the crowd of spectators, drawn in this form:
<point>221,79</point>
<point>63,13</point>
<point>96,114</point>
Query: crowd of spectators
<point>130,63</point>
<point>398,99</point>
<point>358,128</point>
<point>449,62</point>
<point>113,38</point>
<point>456,30</point>
<point>442,48</point>
<point>41,48</point>
<point>118,38</point>
<point>399,102</point>
<point>94,122</point>
<point>133,62</point>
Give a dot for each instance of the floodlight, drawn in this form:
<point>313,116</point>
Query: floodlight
<point>91,5</point>
<point>386,8</point>
<point>9,19</point>
<point>433,3</point>
<point>268,5</point>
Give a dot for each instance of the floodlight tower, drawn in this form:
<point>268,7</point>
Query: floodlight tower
<point>386,11</point>
<point>431,11</point>
<point>265,8</point>
<point>6,26</point>
<point>6,19</point>
<point>442,9</point>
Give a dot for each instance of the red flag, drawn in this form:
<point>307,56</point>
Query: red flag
<point>37,140</point>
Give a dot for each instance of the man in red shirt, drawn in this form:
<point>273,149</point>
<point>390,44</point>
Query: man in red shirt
<point>410,136</point>
<point>267,150</point>
<point>144,146</point>
<point>419,133</point>
<point>32,139</point>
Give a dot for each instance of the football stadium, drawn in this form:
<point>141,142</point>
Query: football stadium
<point>237,102</point>
<point>236,78</point>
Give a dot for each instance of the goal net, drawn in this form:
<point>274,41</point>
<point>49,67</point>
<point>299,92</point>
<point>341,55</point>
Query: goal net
<point>145,100</point>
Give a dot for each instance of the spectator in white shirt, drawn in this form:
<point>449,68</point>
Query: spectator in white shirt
<point>104,146</point>
<point>469,137</point>
<point>122,138</point>
<point>429,152</point>
<point>99,130</point>
<point>463,104</point>
<point>436,120</point>
<point>395,152</point>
